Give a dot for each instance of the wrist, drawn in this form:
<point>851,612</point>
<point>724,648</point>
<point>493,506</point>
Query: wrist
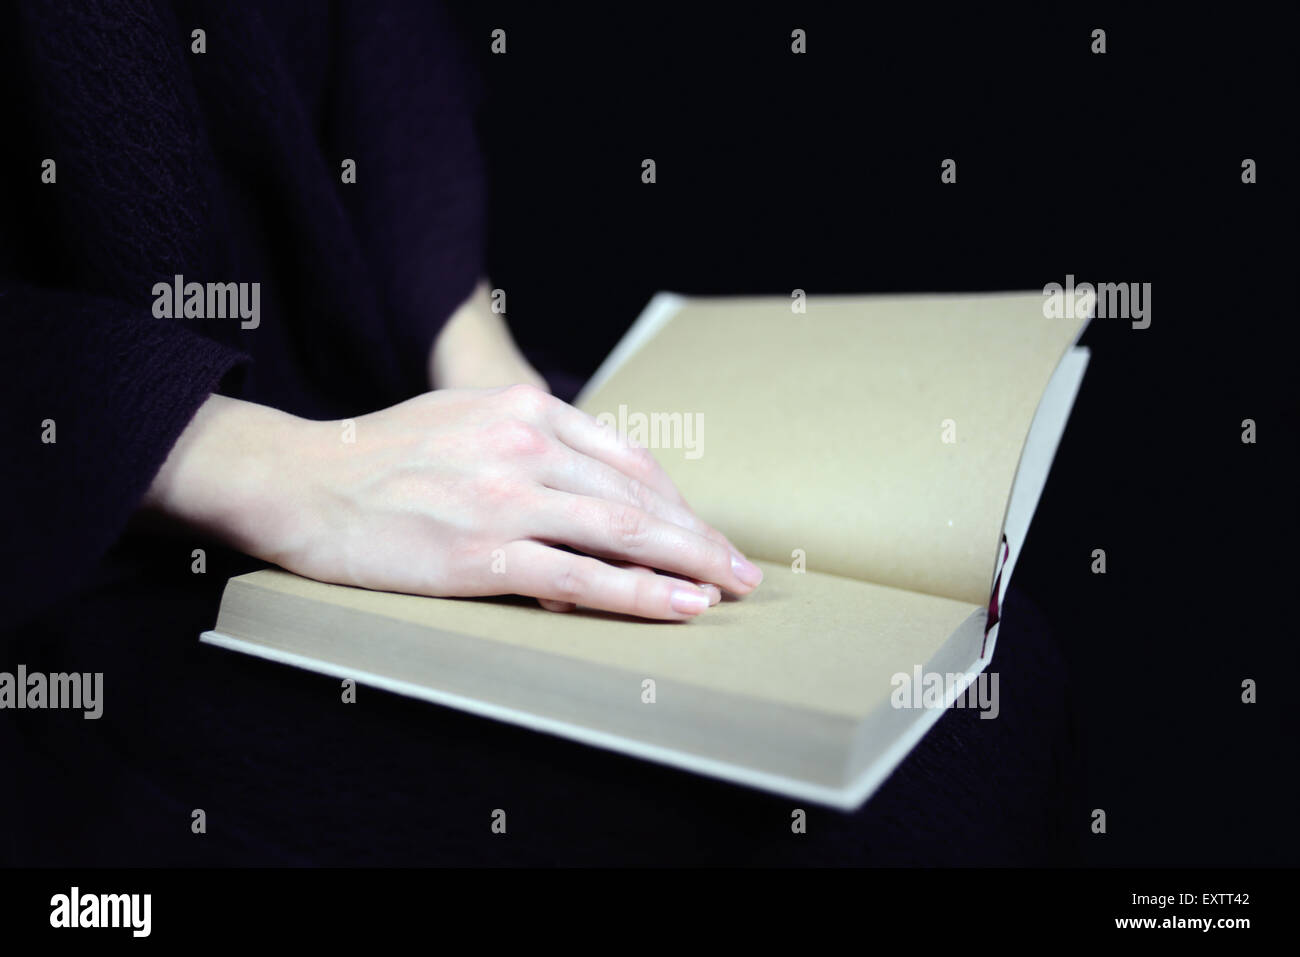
<point>224,476</point>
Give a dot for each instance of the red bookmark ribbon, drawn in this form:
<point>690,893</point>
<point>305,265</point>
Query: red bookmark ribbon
<point>993,599</point>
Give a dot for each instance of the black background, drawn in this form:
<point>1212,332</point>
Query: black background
<point>821,172</point>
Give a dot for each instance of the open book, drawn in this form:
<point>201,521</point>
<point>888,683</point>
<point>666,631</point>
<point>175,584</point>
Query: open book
<point>879,457</point>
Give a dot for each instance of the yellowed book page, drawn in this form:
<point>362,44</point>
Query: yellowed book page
<point>877,436</point>
<point>811,641</point>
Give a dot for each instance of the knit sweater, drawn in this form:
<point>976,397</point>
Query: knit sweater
<point>130,159</point>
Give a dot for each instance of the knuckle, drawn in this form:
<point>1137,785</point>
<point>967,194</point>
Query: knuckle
<point>519,438</point>
<point>642,461</point>
<point>571,584</point>
<point>637,493</point>
<point>628,526</point>
<point>526,399</point>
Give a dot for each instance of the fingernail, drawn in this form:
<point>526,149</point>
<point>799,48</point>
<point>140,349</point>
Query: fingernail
<point>688,601</point>
<point>710,589</point>
<point>746,571</point>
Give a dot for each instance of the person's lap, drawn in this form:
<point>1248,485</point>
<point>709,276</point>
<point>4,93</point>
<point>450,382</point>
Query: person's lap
<point>285,772</point>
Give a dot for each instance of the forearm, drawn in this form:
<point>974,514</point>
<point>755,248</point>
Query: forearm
<point>475,350</point>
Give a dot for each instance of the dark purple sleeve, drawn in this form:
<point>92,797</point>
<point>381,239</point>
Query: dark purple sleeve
<point>113,388</point>
<point>405,92</point>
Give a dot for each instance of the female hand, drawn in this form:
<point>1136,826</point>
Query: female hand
<point>454,493</point>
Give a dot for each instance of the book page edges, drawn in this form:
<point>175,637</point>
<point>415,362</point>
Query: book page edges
<point>1035,467</point>
<point>798,641</point>
<point>1032,471</point>
<point>826,760</point>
